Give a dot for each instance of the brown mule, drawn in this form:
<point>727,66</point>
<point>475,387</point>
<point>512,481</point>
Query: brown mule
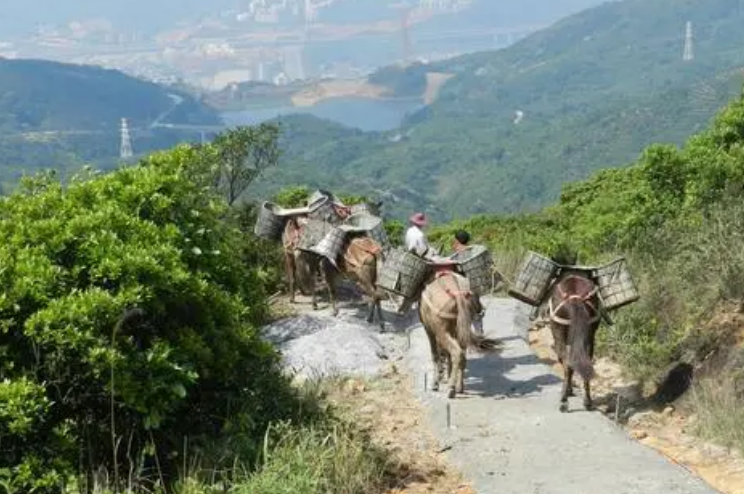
<point>446,311</point>
<point>360,263</point>
<point>573,309</point>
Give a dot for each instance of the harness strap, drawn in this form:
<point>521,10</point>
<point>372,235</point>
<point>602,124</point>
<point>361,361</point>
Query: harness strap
<point>565,322</point>
<point>447,290</point>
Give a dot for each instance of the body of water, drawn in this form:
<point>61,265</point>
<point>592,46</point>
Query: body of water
<point>363,113</point>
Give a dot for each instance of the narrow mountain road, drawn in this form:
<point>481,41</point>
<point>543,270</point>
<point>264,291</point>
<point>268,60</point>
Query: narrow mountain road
<point>507,435</point>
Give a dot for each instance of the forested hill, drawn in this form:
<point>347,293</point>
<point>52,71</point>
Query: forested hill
<point>594,89</point>
<point>41,95</point>
<point>61,116</point>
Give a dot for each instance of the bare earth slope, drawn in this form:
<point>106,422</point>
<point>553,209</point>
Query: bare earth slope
<point>507,435</point>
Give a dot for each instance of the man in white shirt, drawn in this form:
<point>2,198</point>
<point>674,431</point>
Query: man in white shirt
<point>415,237</point>
<point>415,242</point>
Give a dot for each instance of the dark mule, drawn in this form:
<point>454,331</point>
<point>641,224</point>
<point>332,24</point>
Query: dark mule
<point>300,267</point>
<point>574,314</point>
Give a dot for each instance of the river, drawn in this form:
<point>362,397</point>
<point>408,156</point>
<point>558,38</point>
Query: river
<point>363,113</point>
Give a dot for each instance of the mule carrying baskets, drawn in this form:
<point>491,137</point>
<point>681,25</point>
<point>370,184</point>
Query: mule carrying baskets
<point>403,273</point>
<point>615,284</point>
<point>477,266</point>
<point>269,224</point>
<point>534,278</point>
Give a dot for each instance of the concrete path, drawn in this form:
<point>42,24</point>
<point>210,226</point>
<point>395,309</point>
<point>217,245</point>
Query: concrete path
<point>508,436</point>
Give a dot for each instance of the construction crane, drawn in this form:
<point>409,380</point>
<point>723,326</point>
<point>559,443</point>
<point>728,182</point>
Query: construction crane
<point>405,8</point>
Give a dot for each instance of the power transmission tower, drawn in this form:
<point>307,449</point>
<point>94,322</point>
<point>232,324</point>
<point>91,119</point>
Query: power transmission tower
<point>125,149</point>
<point>689,53</point>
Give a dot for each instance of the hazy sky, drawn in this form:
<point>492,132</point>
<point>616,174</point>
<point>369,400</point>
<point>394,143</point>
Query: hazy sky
<point>21,16</point>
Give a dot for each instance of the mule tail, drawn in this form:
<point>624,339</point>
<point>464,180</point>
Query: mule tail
<point>465,335</point>
<point>579,338</point>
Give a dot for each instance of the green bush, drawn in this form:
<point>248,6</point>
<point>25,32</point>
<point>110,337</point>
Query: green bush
<point>84,387</point>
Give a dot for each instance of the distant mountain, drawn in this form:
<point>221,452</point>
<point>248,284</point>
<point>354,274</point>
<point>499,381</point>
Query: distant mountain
<point>41,95</point>
<point>593,90</point>
<point>62,115</point>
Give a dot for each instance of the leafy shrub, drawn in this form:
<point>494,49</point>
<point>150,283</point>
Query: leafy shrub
<point>81,381</point>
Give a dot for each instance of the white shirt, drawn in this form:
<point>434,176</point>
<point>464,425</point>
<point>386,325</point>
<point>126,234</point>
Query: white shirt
<point>416,240</point>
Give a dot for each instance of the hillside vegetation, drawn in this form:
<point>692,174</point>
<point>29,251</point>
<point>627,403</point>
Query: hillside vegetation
<point>131,356</point>
<point>595,88</point>
<point>676,215</point>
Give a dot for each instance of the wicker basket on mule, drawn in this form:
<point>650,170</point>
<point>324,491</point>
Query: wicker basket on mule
<point>369,225</point>
<point>534,278</point>
<point>476,264</point>
<point>322,238</point>
<point>272,219</point>
<point>324,209</point>
<point>616,286</point>
<point>403,273</point>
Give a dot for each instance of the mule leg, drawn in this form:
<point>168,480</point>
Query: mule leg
<point>455,353</point>
<point>435,360</point>
<point>378,304</point>
<point>461,365</point>
<point>329,272</point>
<point>445,360</point>
<point>312,279</point>
<point>289,268</point>
<point>560,335</point>
<point>588,402</point>
<point>567,387</point>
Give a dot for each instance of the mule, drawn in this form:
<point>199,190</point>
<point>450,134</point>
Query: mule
<point>446,309</point>
<point>300,267</point>
<point>574,316</point>
<point>360,262</point>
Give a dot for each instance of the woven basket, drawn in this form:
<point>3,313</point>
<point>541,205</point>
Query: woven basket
<point>616,286</point>
<point>477,266</point>
<point>403,273</point>
<point>269,224</point>
<point>324,210</point>
<point>363,208</point>
<point>534,278</point>
<point>370,225</point>
<point>313,232</point>
<point>331,245</point>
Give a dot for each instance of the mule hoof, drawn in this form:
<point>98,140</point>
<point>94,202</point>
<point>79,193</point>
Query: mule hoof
<point>451,393</point>
<point>435,387</point>
<point>564,407</point>
<point>589,406</point>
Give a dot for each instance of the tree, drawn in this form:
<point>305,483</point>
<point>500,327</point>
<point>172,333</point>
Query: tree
<point>239,155</point>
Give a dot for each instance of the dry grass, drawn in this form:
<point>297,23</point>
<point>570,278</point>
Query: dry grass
<point>719,406</point>
<point>386,409</point>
